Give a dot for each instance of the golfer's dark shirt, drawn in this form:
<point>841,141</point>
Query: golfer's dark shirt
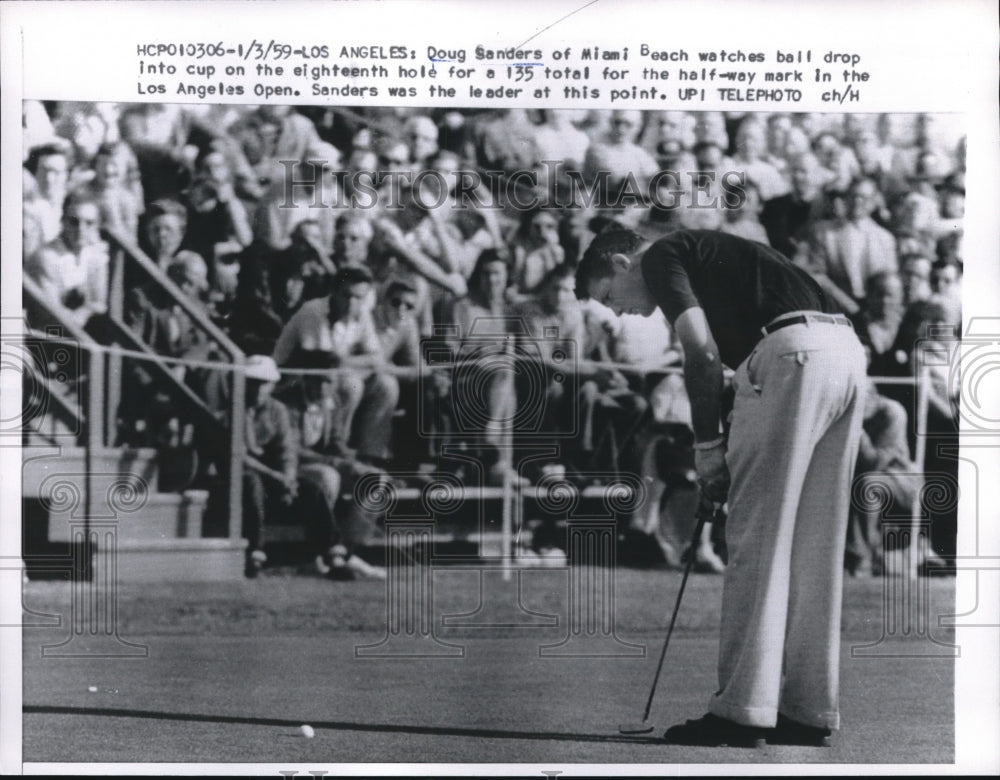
<point>741,285</point>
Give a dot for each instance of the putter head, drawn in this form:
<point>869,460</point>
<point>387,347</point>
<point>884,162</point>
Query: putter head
<point>642,727</point>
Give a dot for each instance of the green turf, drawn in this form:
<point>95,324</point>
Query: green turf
<point>234,669</point>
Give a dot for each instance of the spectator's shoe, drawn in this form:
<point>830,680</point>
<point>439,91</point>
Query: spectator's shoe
<point>322,567</point>
<point>363,570</point>
<point>707,562</point>
<point>254,563</point>
<point>791,732</point>
<point>713,731</point>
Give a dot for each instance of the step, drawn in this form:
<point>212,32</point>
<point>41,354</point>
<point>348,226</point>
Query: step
<point>55,473</point>
<point>163,516</point>
<point>176,560</point>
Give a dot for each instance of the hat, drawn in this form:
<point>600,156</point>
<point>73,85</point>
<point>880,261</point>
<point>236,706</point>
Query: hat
<point>262,368</point>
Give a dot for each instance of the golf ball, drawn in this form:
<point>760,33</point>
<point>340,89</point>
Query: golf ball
<point>307,731</point>
<point>92,689</point>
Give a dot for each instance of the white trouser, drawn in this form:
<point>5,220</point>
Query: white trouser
<point>792,449</point>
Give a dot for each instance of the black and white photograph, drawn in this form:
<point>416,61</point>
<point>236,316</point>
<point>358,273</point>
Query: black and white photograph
<point>642,427</point>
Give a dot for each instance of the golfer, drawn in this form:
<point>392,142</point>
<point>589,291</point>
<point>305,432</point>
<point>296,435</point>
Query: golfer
<point>786,471</point>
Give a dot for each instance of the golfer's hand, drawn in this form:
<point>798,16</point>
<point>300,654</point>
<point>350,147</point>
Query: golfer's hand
<point>713,474</point>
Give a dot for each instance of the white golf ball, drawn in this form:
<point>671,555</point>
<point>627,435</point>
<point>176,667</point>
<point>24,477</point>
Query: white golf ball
<point>92,689</point>
<point>307,731</point>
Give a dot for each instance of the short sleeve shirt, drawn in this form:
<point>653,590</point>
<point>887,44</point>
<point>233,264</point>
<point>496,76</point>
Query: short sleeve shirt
<point>741,286</point>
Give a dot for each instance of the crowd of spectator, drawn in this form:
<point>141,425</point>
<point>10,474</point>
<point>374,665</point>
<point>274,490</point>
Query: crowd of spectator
<point>308,236</point>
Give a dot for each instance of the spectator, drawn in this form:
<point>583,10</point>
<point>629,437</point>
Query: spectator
<point>337,528</point>
<point>218,228</point>
<point>341,326</point>
<point>270,478</point>
<point>72,270</point>
<point>158,133</point>
<point>49,165</point>
<point>253,323</point>
<point>422,139</point>
<point>536,249</point>
<point>878,321</point>
<point>554,327</point>
<point>619,155</point>
<point>166,225</point>
<point>915,274</point>
<point>119,199</point>
<point>788,219</point>
<point>750,158</point>
<point>744,221</point>
<point>481,386</point>
<point>926,340</point>
<point>883,465</point>
<point>845,253</point>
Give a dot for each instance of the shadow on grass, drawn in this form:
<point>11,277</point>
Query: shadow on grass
<point>385,728</point>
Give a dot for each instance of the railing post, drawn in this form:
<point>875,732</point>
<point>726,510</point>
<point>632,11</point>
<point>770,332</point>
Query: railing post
<point>116,309</point>
<point>237,419</point>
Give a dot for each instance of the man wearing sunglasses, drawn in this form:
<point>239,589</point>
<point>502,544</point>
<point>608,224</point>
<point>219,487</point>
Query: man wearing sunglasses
<point>72,270</point>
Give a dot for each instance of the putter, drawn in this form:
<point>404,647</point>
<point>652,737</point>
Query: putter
<point>705,513</point>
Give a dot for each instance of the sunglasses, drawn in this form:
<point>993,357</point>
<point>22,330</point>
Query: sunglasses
<point>398,303</point>
<point>76,222</point>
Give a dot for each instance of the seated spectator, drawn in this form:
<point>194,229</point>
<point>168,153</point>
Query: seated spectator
<point>341,326</point>
<point>883,465</point>
<point>421,135</point>
<point>166,225</point>
<point>337,528</point>
<point>119,199</point>
<point>253,324</point>
<point>745,220</point>
<point>147,409</point>
<point>617,153</point>
<point>751,159</point>
<point>674,141</point>
<point>946,285</point>
<point>915,274</point>
<point>157,318</point>
<point>218,228</point>
<point>878,320</point>
<point>306,256</point>
<point>536,249</point>
<point>158,135</point>
<point>72,270</point>
<point>554,326</point>
<point>845,253</point>
<point>270,477</point>
<point>788,219</point>
<point>396,324</point>
<point>837,163</point>
<point>480,390</point>
<point>926,340</point>
<point>49,165</point>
